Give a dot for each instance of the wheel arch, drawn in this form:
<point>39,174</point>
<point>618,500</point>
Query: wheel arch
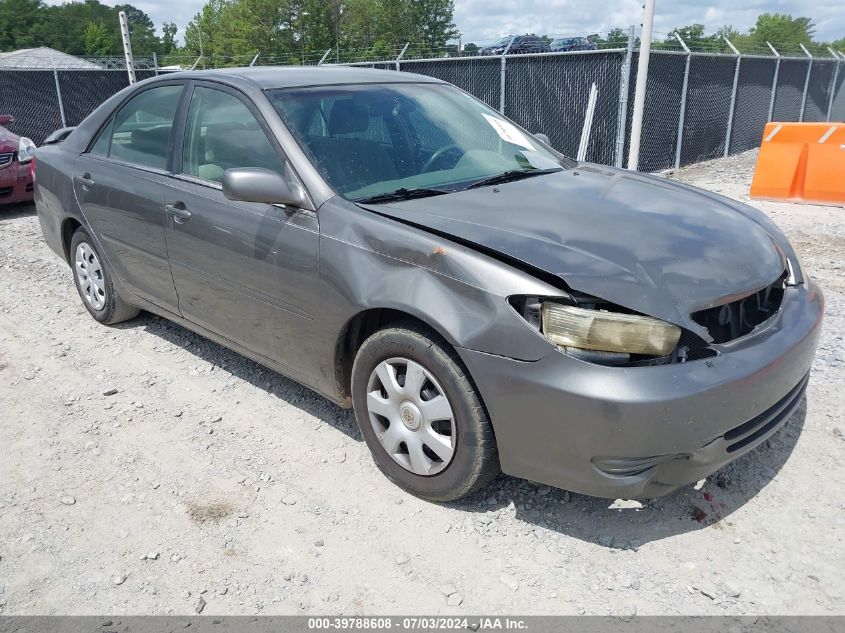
<point>362,325</point>
<point>69,227</point>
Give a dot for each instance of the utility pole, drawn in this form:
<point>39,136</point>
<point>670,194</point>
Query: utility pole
<point>642,80</point>
<point>127,47</point>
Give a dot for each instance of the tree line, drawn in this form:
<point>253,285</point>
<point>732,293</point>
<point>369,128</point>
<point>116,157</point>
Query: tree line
<point>80,28</point>
<point>229,32</point>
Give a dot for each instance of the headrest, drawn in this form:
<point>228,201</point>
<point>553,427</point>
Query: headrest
<point>151,140</point>
<point>347,117</point>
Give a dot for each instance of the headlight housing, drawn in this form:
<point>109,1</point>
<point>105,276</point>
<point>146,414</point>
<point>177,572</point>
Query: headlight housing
<point>26,150</point>
<point>580,328</point>
<point>796,273</point>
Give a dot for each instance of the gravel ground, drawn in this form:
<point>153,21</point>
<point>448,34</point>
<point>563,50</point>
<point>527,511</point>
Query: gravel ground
<point>207,483</point>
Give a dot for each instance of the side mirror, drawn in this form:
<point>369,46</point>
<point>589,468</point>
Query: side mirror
<point>542,138</point>
<point>5,119</point>
<point>256,184</point>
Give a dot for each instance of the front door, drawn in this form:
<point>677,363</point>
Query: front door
<point>242,270</point>
<point>120,182</point>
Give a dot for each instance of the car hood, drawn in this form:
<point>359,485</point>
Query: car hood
<point>8,141</point>
<point>642,242</point>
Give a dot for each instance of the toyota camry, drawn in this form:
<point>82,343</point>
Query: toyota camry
<point>483,302</point>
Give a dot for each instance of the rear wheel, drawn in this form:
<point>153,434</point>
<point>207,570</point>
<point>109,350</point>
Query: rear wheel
<point>421,416</point>
<point>94,282</point>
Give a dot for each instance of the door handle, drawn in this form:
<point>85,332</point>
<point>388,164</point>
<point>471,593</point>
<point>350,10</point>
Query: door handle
<point>179,212</point>
<point>85,181</point>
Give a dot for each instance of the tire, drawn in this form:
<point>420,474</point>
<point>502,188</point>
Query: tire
<point>100,298</point>
<point>474,459</point>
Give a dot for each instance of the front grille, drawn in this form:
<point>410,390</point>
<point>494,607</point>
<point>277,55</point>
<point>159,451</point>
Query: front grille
<point>6,159</point>
<point>758,427</point>
<point>738,318</point>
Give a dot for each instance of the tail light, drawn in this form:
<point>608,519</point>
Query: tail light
<point>32,170</point>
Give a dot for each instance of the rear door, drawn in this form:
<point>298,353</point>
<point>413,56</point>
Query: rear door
<point>246,271</point>
<point>119,183</point>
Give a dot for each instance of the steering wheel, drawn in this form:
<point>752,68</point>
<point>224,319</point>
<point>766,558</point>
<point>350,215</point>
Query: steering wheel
<point>436,156</point>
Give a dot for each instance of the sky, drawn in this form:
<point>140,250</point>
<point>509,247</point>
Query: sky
<point>486,20</point>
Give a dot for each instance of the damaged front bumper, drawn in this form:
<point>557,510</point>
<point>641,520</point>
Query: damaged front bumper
<point>639,432</point>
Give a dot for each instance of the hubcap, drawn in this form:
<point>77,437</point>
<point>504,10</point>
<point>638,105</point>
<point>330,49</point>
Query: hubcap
<point>411,415</point>
<point>89,274</point>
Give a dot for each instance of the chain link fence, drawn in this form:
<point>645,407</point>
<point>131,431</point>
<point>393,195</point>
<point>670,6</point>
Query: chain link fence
<point>753,100</point>
<point>43,101</point>
<point>699,105</point>
<point>479,76</point>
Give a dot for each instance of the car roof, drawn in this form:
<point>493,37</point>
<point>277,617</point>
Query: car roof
<point>270,77</point>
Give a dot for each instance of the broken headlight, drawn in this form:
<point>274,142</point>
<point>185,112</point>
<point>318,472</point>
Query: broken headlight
<point>597,330</point>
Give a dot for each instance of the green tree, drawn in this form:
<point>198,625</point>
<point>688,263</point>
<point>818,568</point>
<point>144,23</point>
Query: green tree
<point>168,38</point>
<point>616,38</point>
<point>141,30</point>
<point>63,26</point>
<point>784,31</point>
<point>231,31</point>
<point>20,21</point>
<point>432,22</point>
<point>97,39</point>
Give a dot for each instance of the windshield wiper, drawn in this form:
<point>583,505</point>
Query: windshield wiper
<point>403,194</point>
<point>510,176</point>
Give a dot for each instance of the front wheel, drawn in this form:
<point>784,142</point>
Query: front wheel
<point>421,416</point>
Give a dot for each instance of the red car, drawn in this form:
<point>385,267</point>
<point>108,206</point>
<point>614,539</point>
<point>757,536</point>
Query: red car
<point>16,153</point>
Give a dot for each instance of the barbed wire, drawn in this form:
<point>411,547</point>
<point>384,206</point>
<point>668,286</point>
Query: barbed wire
<point>614,39</point>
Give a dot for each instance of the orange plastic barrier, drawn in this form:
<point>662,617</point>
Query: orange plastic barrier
<point>801,162</point>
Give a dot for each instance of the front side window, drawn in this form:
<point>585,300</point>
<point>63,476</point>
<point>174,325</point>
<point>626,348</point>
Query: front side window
<point>222,133</point>
<point>140,133</point>
<point>371,139</point>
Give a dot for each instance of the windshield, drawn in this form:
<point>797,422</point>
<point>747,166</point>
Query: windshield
<point>373,139</point>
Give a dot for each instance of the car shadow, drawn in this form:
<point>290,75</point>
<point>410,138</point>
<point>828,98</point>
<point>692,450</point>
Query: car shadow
<point>539,507</point>
<point>286,390</point>
<point>18,210</point>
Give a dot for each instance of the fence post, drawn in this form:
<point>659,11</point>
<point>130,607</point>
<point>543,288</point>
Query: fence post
<point>806,82</point>
<point>127,47</point>
<point>683,113</point>
<point>401,55</point>
<point>642,84</point>
<point>502,76</point>
<point>59,95</point>
<point>155,62</point>
<point>624,90</point>
<point>774,82</point>
<point>832,85</point>
<point>323,58</point>
<point>254,59</point>
<point>733,98</point>
<point>587,129</point>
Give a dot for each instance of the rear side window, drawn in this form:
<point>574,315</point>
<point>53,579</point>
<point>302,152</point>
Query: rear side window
<point>140,132</point>
<point>222,133</point>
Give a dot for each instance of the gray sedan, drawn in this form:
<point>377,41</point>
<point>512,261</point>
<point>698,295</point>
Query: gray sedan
<point>484,303</point>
